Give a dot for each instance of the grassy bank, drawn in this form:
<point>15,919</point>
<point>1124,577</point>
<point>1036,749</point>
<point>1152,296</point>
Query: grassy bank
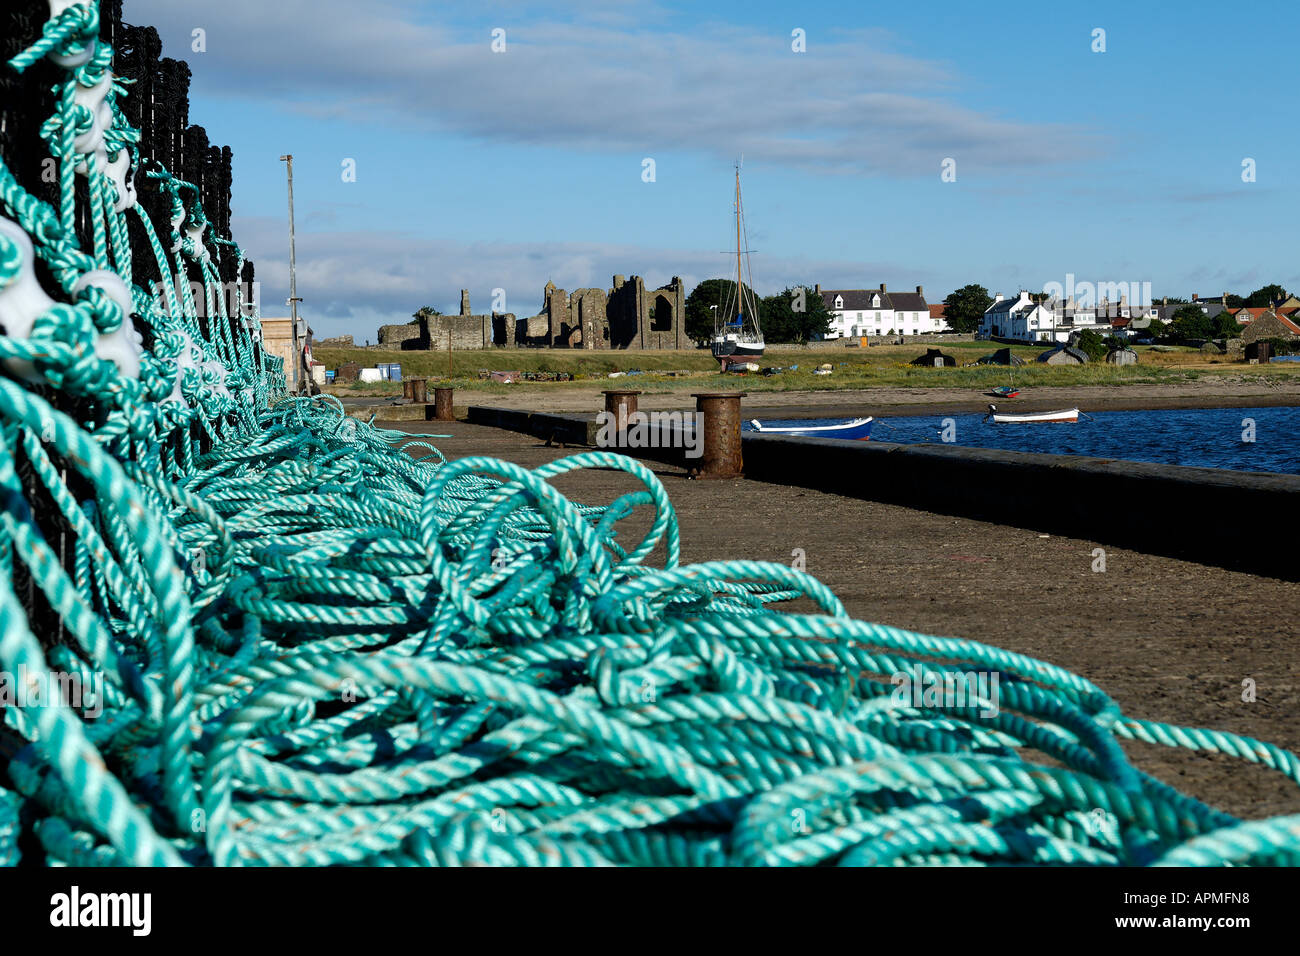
<point>881,366</point>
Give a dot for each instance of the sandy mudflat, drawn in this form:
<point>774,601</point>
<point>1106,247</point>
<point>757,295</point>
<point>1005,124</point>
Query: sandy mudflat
<point>887,400</point>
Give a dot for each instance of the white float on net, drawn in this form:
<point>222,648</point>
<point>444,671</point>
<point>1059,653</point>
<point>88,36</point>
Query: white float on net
<point>23,300</point>
<point>72,61</point>
<point>124,345</point>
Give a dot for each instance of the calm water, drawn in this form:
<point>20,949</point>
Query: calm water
<point>1203,437</point>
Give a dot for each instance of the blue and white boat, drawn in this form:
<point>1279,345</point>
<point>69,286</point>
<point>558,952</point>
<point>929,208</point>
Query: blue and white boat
<point>855,429</point>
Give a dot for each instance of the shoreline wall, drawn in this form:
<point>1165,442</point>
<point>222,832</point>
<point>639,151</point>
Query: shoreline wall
<point>1241,521</point>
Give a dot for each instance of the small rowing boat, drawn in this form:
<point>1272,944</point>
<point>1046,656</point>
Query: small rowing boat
<point>1068,415</point>
<point>857,429</point>
<point>1005,391</point>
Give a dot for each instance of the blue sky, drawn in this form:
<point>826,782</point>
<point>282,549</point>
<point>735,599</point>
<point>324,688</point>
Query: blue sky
<point>485,170</point>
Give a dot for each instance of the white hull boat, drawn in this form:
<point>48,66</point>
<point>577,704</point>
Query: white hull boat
<point>856,429</point>
<point>1066,416</point>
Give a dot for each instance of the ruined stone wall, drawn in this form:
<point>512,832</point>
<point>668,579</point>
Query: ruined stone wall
<point>538,329</point>
<point>533,331</point>
<point>626,302</point>
<point>647,319</point>
<point>512,332</point>
<point>467,332</point>
<point>587,312</point>
<point>628,316</point>
<point>397,336</point>
<point>664,316</point>
<point>562,330</point>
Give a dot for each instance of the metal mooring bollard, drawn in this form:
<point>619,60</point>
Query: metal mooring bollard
<point>722,456</point>
<point>419,390</point>
<point>442,404</point>
<point>621,403</point>
<point>407,393</point>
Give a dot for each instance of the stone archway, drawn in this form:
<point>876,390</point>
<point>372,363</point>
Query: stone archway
<point>661,315</point>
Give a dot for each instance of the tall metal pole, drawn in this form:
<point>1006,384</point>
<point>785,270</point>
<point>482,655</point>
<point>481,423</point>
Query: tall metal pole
<point>740,285</point>
<point>293,282</point>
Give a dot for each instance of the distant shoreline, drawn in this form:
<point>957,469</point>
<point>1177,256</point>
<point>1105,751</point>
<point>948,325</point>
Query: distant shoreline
<point>891,400</point>
<point>1106,403</point>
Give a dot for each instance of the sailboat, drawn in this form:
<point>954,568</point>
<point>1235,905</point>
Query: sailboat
<point>736,335</point>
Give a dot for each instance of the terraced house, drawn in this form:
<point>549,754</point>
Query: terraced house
<point>859,313</point>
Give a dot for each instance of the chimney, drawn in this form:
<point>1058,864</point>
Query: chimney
<point>1225,300</point>
<point>920,291</point>
<point>998,297</point>
<point>817,289</point>
<point>1195,297</point>
<point>882,287</point>
<point>1165,301</point>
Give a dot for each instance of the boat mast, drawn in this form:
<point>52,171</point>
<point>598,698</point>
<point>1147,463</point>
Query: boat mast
<point>740,295</point>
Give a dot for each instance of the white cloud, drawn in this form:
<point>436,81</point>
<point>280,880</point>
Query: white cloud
<point>850,104</point>
<point>620,77</point>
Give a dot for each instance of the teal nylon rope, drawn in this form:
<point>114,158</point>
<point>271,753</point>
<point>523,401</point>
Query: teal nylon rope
<point>292,638</point>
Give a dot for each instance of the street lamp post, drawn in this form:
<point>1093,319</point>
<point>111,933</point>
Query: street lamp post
<point>293,281</point>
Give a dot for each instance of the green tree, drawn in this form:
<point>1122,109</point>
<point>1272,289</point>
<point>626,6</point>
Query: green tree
<point>1225,326</point>
<point>966,306</point>
<point>711,292</point>
<point>1159,331</point>
<point>425,312</point>
<point>1091,344</point>
<point>1190,323</point>
<point>795,314</point>
<point>1265,297</point>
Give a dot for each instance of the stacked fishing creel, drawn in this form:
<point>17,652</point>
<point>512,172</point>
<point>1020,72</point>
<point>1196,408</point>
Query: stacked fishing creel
<point>301,640</point>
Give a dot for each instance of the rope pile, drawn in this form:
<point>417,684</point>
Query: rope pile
<point>283,636</point>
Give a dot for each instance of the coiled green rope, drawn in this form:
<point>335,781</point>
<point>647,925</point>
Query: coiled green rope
<point>9,807</point>
<point>414,662</point>
<point>296,639</point>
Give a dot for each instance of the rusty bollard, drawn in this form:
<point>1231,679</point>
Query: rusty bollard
<point>722,457</point>
<point>407,394</point>
<point>419,390</point>
<point>442,404</point>
<point>621,403</point>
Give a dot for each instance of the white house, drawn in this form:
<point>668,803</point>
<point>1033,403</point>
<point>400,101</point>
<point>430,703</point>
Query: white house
<point>1020,319</point>
<point>875,312</point>
<point>1108,318</point>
